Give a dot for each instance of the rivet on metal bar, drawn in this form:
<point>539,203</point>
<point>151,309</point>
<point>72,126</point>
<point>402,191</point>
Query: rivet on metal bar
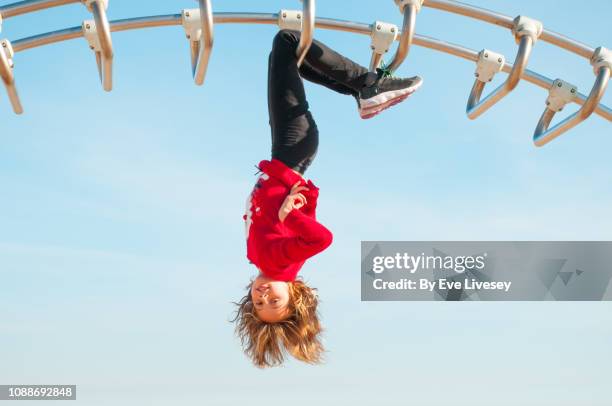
<point>308,27</point>
<point>562,93</point>
<point>98,35</point>
<point>6,73</point>
<point>526,32</point>
<point>383,35</point>
<point>290,20</point>
<point>410,9</point>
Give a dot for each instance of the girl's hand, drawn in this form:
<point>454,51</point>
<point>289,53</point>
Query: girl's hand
<point>294,200</point>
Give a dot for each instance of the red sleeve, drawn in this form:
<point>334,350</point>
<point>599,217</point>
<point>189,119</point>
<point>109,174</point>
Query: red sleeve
<point>312,238</point>
<point>311,197</point>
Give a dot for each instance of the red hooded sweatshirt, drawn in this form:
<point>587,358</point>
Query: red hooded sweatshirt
<point>279,249</point>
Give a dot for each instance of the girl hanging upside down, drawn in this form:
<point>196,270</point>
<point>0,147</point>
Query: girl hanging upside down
<point>279,312</point>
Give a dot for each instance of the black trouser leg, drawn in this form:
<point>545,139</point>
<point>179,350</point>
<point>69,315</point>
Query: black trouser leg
<point>295,137</point>
<point>318,77</point>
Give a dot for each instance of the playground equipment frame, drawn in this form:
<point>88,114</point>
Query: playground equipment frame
<point>589,104</point>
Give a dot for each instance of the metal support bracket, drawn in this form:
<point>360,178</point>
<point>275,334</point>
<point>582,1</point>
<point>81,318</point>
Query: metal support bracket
<point>488,65</point>
<point>199,29</point>
<point>562,93</point>
<point>402,4</point>
<point>383,35</point>
<point>191,24</point>
<point>290,20</point>
<point>308,27</point>
<point>526,33</point>
<point>602,57</point>
<point>525,26</point>
<point>6,73</point>
<point>410,9</point>
<point>98,34</point>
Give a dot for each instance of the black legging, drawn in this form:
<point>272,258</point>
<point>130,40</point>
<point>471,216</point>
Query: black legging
<point>295,137</point>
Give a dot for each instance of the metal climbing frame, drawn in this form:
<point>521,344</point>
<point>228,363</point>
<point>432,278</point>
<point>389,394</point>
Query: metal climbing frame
<point>199,23</point>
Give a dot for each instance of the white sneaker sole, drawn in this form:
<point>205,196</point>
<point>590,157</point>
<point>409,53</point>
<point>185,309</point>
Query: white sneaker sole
<point>374,105</point>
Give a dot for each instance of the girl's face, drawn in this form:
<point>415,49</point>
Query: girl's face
<point>270,298</point>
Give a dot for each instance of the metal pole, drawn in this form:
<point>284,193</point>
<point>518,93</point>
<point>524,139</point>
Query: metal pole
<point>475,107</point>
<point>308,27</point>
<point>492,17</point>
<point>375,61</point>
<point>406,37</point>
<point>271,18</point>
<point>505,21</point>
<point>29,6</point>
<point>543,135</point>
<point>206,41</point>
<point>105,60</point>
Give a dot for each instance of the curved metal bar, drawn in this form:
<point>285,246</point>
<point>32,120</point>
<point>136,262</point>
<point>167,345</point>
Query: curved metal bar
<point>543,135</point>
<point>406,37</point>
<point>271,18</point>
<point>48,38</point>
<point>206,42</point>
<point>505,21</point>
<point>308,27</point>
<point>105,57</point>
<point>6,74</point>
<point>475,107</point>
<point>194,51</point>
<point>468,10</point>
<point>455,7</point>
<point>29,6</point>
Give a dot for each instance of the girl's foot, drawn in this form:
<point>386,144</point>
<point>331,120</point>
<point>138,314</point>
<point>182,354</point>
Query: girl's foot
<point>387,91</point>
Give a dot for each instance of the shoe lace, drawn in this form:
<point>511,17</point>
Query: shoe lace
<point>384,71</point>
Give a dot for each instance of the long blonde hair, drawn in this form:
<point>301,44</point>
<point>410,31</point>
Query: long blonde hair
<point>266,343</point>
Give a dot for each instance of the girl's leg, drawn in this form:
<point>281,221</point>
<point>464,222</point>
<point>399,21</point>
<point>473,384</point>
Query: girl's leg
<point>374,92</point>
<point>318,77</point>
<point>295,137</point>
<point>327,67</point>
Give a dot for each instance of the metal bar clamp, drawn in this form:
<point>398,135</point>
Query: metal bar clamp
<point>97,32</point>
<point>488,65</point>
<point>562,93</point>
<point>410,9</point>
<point>383,35</point>
<point>526,32</point>
<point>290,20</point>
<point>6,73</point>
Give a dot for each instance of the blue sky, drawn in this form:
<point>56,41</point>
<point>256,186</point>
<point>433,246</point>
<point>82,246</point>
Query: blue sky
<point>121,234</point>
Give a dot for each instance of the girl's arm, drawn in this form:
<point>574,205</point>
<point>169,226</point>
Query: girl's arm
<point>312,238</point>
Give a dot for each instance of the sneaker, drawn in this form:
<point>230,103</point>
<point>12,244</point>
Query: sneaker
<point>387,91</point>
